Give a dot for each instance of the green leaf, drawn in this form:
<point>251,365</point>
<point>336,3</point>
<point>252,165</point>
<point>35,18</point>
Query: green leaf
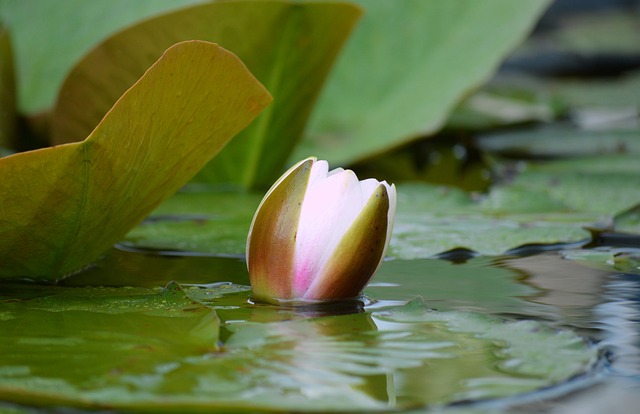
<point>561,141</point>
<point>526,354</point>
<point>8,119</point>
<point>67,343</point>
<point>546,203</point>
<point>593,103</point>
<point>629,221</point>
<point>405,68</point>
<point>474,284</point>
<point>51,37</point>
<point>609,32</point>
<point>432,220</point>
<point>206,222</point>
<point>619,259</point>
<point>65,206</point>
<point>137,349</point>
<point>429,220</point>
<point>489,109</point>
<point>606,184</point>
<point>288,46</point>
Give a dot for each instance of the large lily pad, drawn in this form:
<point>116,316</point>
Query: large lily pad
<point>65,206</point>
<point>96,342</point>
<point>403,71</point>
<point>288,46</point>
<point>84,347</point>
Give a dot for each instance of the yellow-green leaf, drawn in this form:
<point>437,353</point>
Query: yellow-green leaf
<point>62,207</point>
<point>7,92</point>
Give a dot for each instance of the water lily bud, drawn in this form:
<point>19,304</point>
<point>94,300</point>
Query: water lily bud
<point>319,235</point>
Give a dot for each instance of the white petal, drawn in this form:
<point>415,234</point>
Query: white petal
<point>367,187</point>
<point>328,210</point>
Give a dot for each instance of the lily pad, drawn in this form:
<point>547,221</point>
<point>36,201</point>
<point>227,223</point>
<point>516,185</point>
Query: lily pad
<point>490,108</point>
<point>215,223</point>
<point>561,141</point>
<point>598,104</point>
<point>629,221</point>
<point>420,232</point>
<point>545,203</point>
<point>398,358</point>
<point>429,220</point>
<point>619,259</point>
<point>65,206</point>
<point>474,285</point>
<point>96,342</point>
<point>606,184</point>
<point>288,46</point>
<point>402,72</point>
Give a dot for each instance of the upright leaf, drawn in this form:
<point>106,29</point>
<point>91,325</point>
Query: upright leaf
<point>288,46</point>
<point>51,35</point>
<point>404,69</point>
<point>7,92</point>
<point>62,207</point>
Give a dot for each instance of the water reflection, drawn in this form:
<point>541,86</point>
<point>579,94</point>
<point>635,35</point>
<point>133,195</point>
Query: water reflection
<point>149,269</point>
<point>567,290</point>
<point>390,364</point>
<point>619,319</point>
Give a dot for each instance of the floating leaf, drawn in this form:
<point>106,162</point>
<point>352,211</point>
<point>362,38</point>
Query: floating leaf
<point>51,37</point>
<point>96,343</point>
<point>606,184</point>
<point>609,32</point>
<point>475,284</point>
<point>206,222</point>
<point>489,109</point>
<point>288,46</point>
<point>65,206</point>
<point>619,259</point>
<point>429,220</point>
<point>598,105</point>
<point>405,68</point>
<point>85,348</point>
<point>561,141</point>
<point>629,221</point>
<point>547,203</point>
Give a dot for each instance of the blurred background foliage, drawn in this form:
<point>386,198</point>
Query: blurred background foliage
<point>575,79</point>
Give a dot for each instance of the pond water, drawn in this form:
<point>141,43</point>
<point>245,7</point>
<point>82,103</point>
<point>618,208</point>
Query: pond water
<point>555,331</point>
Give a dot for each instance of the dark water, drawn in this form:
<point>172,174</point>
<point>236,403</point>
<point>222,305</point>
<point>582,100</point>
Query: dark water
<point>591,299</point>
